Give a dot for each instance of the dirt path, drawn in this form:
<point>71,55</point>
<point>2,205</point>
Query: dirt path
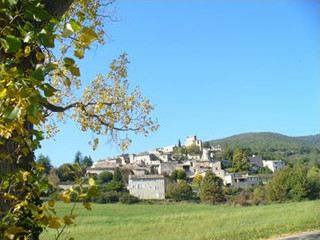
<point>315,235</point>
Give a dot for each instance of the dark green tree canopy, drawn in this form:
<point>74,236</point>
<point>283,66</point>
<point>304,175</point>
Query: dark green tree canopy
<point>179,191</point>
<point>117,176</point>
<point>105,177</point>
<point>45,162</point>
<point>193,149</point>
<point>178,174</point>
<point>240,160</point>
<point>78,158</point>
<point>211,189</point>
<point>295,183</point>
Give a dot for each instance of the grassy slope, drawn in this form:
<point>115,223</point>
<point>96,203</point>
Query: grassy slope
<point>188,221</point>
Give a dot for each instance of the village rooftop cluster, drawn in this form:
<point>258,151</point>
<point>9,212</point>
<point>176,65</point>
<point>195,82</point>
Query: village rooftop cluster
<point>149,168</point>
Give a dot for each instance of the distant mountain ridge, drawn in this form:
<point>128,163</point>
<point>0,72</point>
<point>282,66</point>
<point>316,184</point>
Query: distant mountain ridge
<point>265,140</point>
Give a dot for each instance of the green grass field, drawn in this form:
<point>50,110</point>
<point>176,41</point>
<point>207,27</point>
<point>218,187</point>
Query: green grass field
<point>189,221</point>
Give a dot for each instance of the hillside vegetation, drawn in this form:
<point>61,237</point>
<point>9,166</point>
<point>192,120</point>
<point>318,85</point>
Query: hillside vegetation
<point>189,221</point>
<point>265,140</point>
<point>293,150</point>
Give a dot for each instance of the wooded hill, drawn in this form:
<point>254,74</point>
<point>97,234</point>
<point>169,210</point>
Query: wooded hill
<point>264,140</point>
<point>302,149</point>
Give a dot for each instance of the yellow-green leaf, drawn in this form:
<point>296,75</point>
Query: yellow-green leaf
<point>67,220</point>
<point>79,54</point>
<point>91,182</point>
<point>13,44</point>
<point>51,202</point>
<point>3,92</point>
<point>11,113</point>
<point>87,205</point>
<point>88,35</point>
<point>14,230</point>
<point>54,222</point>
<point>75,25</point>
<point>82,196</point>
<point>74,71</point>
<point>67,31</point>
<point>33,120</point>
<point>66,197</point>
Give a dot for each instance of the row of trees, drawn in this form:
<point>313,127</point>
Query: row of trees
<point>67,172</point>
<point>211,189</point>
<point>299,155</point>
<point>288,184</point>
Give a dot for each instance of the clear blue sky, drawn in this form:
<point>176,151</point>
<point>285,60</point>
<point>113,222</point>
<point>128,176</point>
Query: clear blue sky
<point>211,69</point>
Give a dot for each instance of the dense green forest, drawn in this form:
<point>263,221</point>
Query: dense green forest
<point>292,150</point>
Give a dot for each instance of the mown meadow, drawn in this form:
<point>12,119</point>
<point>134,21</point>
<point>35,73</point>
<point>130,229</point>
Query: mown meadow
<point>188,221</point>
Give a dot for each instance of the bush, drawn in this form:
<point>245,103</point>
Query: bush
<point>197,180</point>
<point>259,196</point>
<point>107,197</point>
<point>104,177</point>
<point>115,186</point>
<point>181,174</point>
<point>313,178</point>
<point>244,198</point>
<point>112,197</point>
<point>264,170</point>
<point>178,174</point>
<point>180,191</point>
<point>126,198</point>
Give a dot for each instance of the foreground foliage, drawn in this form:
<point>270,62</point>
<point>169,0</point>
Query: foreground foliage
<point>39,85</point>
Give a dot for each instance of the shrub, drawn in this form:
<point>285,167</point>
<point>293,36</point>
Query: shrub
<point>115,186</point>
<point>107,197</point>
<point>178,174</point>
<point>180,191</point>
<point>197,180</point>
<point>313,178</point>
<point>181,174</point>
<point>174,174</point>
<point>112,197</point>
<point>104,177</point>
<point>259,196</point>
<point>126,198</point>
<point>244,197</point>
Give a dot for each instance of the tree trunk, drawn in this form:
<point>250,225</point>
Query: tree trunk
<point>11,157</point>
<point>11,161</point>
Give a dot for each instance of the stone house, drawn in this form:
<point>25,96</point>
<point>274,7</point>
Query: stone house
<point>239,180</point>
<point>256,160</point>
<point>144,159</point>
<point>273,165</point>
<point>107,163</point>
<point>168,149</point>
<point>147,186</point>
<point>167,167</point>
<point>192,140</point>
<point>98,170</point>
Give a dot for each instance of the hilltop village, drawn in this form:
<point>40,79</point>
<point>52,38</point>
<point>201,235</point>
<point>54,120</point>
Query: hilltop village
<point>148,169</point>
